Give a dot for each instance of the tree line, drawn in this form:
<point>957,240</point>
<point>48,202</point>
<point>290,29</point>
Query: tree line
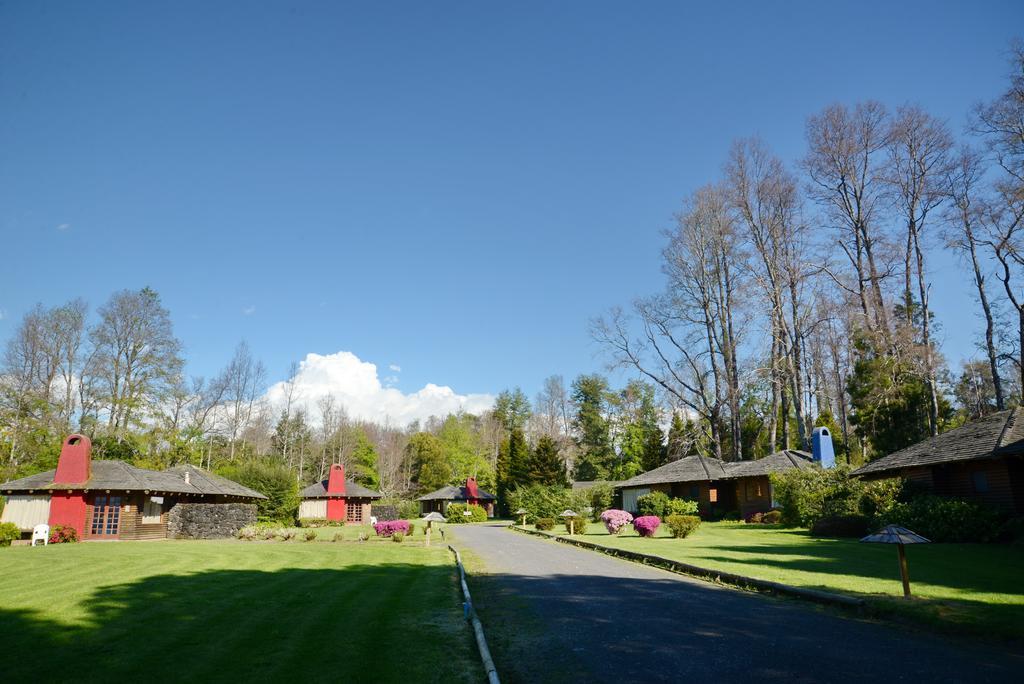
<point>800,295</point>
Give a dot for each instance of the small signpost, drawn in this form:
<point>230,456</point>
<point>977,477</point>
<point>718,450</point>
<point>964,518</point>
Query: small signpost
<point>571,516</point>
<point>430,519</point>
<point>894,534</point>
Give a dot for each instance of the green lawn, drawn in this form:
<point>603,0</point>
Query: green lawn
<point>229,610</point>
<point>972,587</point>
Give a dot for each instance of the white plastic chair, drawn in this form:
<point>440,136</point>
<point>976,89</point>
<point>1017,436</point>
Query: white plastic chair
<point>41,532</point>
<point>373,520</point>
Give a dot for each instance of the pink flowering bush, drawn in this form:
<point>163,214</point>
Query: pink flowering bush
<point>615,520</point>
<point>646,525</point>
<point>387,528</point>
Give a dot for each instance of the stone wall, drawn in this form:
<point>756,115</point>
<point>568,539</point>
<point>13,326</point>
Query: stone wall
<point>208,520</point>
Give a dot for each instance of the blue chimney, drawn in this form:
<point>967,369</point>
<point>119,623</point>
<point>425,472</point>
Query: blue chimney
<point>821,447</point>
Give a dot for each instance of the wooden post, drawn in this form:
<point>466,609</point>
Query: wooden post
<point>904,573</point>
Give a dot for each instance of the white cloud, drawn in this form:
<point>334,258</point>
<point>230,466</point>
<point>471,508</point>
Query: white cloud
<point>395,368</point>
<point>64,226</point>
<point>356,386</point>
<point>249,310</point>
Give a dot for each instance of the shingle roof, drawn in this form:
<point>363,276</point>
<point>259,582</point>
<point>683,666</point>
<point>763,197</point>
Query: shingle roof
<point>780,461</point>
<point>687,469</point>
<point>118,475</point>
<point>701,468</point>
<point>995,435</point>
<point>453,493</point>
<point>318,490</point>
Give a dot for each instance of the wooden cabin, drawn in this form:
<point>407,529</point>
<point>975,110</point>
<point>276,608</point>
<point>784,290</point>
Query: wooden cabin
<point>469,493</point>
<point>111,500</point>
<point>717,486</point>
<point>337,499</point>
<point>982,461</point>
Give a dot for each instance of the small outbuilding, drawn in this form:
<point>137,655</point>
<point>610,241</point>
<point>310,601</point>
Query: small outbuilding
<point>108,500</point>
<point>469,493</point>
<point>981,461</point>
<point>337,499</point>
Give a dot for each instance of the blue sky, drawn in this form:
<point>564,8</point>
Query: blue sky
<point>452,188</point>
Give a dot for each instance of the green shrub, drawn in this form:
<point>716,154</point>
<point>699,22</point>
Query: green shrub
<point>579,524</point>
<point>662,505</point>
<point>285,534</point>
<point>805,496</point>
<point>854,525</point>
<point>412,529</point>
<point>681,507</point>
<point>398,537</point>
<point>456,513</point>
<point>545,524</point>
<point>8,533</point>
<point>945,520</point>
<point>755,518</point>
<point>599,497</point>
<point>655,503</point>
<point>1012,531</point>
<point>682,525</point>
<point>772,518</point>
<point>338,536</point>
<point>320,522</point>
<point>310,535</point>
<point>404,508</point>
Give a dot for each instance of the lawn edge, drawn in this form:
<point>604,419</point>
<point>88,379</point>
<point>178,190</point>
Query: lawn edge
<point>474,620</point>
<point>717,576</point>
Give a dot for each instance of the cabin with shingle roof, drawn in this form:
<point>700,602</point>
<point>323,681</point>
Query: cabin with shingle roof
<point>469,493</point>
<point>337,499</point>
<point>981,461</point>
<point>717,486</point>
<point>109,500</point>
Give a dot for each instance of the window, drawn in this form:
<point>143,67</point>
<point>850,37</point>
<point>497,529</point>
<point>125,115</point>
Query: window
<point>980,482</point>
<point>713,495</point>
<point>151,511</point>
<point>354,512</point>
<point>106,515</point>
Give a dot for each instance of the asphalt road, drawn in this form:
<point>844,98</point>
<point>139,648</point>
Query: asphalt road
<point>554,612</point>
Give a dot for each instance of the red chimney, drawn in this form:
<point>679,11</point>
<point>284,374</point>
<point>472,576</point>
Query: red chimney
<point>73,465</point>
<point>67,506</point>
<point>472,493</point>
<point>336,493</point>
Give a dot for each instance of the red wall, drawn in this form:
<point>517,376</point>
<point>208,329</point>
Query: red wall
<point>336,485</point>
<point>68,509</point>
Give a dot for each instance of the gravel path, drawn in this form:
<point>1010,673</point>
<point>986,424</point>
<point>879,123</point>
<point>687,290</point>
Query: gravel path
<point>559,613</point>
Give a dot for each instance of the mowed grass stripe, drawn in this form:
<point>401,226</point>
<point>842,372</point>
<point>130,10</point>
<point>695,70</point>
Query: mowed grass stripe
<point>214,611</point>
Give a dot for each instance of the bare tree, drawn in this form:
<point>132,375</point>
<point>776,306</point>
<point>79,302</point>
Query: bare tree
<point>963,188</point>
<point>843,164</point>
<point>136,355</point>
<point>243,380</point>
<point>918,169</point>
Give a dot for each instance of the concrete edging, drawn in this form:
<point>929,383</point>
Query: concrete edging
<point>824,597</point>
<point>478,628</point>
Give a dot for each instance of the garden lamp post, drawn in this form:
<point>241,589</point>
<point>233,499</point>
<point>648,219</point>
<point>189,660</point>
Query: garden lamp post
<point>432,518</point>
<point>571,517</point>
<point>894,534</point>
<point>522,513</point>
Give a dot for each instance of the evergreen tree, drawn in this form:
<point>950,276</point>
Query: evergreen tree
<point>518,459</point>
<point>546,466</point>
<point>589,394</point>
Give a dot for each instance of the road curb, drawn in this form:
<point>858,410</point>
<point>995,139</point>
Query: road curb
<point>478,628</point>
<point>743,581</point>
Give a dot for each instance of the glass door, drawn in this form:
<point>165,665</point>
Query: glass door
<point>106,516</point>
